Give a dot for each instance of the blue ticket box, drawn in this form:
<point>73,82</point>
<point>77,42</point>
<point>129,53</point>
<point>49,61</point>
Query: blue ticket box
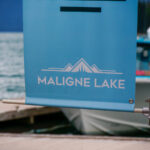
<point>80,53</point>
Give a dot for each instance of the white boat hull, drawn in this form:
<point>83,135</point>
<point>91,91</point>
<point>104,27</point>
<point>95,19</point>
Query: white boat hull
<point>111,122</point>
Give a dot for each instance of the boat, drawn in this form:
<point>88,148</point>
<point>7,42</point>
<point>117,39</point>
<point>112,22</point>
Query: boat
<point>110,122</point>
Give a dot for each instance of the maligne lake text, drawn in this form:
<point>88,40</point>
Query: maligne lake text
<point>81,82</point>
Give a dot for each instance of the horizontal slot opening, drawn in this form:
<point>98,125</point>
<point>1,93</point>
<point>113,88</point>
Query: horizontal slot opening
<point>80,9</point>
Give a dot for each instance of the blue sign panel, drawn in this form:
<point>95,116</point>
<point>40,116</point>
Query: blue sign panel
<point>80,53</point>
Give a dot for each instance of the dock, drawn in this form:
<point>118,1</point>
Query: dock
<point>32,141</point>
<point>69,142</point>
<point>16,117</point>
<point>16,111</point>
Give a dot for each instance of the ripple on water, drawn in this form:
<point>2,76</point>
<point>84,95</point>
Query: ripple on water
<point>11,65</point>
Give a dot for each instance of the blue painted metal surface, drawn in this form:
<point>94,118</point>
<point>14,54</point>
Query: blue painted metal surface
<point>80,53</point>
<point>11,16</point>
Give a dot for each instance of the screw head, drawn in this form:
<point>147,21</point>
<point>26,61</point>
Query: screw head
<point>131,101</point>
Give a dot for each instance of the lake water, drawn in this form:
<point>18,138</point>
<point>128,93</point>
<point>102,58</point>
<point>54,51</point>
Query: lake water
<point>11,65</point>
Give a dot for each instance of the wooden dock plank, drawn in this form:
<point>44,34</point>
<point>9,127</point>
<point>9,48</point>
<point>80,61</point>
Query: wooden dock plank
<point>55,142</point>
<point>16,111</point>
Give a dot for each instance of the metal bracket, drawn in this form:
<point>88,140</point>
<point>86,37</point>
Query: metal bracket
<point>144,110</point>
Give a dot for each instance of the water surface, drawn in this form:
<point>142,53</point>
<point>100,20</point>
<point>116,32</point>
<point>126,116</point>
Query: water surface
<point>11,65</point>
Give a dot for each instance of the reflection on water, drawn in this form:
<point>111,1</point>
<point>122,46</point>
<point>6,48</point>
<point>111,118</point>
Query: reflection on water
<point>11,65</point>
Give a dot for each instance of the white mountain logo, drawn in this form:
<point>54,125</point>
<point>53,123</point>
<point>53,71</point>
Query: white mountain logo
<point>82,66</point>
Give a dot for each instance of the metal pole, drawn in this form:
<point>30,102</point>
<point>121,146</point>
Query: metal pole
<point>144,110</point>
<point>138,110</point>
<point>14,101</point>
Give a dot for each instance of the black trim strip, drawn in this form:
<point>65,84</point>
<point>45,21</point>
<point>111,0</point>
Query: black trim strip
<point>80,9</point>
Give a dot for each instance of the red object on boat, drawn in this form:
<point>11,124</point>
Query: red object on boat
<point>140,73</point>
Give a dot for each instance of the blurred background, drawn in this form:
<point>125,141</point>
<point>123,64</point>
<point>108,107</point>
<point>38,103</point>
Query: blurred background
<point>12,71</point>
